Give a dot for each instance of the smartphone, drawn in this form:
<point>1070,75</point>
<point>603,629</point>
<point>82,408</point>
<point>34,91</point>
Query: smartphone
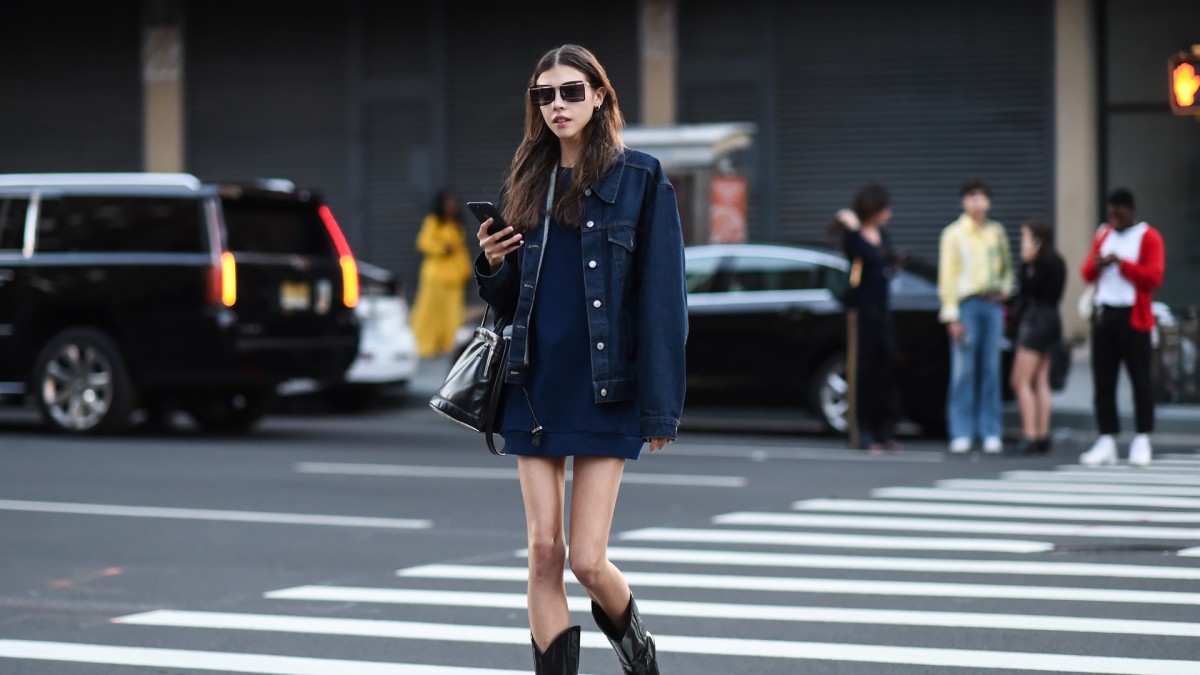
<point>485,210</point>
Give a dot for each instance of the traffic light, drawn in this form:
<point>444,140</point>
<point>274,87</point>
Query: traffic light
<point>1184,71</point>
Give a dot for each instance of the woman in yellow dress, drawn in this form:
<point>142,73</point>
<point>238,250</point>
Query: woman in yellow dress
<point>438,310</point>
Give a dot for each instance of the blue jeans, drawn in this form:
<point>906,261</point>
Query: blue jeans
<point>973,404</point>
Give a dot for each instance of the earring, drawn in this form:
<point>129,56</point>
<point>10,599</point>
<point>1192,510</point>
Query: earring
<point>596,109</point>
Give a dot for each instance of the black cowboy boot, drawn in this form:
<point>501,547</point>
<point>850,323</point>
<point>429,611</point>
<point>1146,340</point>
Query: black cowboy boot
<point>561,657</point>
<point>634,645</point>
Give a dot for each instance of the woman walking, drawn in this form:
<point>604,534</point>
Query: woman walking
<point>438,309</point>
<point>1039,330</point>
<point>590,268</point>
<point>868,248</point>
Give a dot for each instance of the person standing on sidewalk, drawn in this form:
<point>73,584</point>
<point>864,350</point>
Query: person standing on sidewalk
<point>591,268</point>
<point>1126,263</point>
<point>1039,331</point>
<point>438,310</point>
<point>975,277</point>
<point>868,248</point>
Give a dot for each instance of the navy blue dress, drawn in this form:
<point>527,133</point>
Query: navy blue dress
<point>560,368</point>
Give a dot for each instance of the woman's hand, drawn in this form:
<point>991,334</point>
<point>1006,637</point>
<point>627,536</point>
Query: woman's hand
<point>657,444</point>
<point>497,246</point>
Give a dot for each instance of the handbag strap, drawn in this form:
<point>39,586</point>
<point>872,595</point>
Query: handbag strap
<point>489,425</point>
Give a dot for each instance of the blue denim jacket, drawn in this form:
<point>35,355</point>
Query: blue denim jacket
<point>637,299</point>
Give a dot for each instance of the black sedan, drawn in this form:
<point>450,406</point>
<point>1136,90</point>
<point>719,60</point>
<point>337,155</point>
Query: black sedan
<point>767,331</point>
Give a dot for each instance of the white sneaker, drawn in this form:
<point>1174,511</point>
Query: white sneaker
<point>1139,450</point>
<point>992,445</point>
<point>1103,451</point>
<point>960,445</point>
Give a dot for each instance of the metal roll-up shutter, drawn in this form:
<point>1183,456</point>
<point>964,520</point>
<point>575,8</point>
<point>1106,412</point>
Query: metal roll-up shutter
<point>266,94</point>
<point>72,86</point>
<point>398,71</point>
<point>919,98</point>
<point>493,50</point>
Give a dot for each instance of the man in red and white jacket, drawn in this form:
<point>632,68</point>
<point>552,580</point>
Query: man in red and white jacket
<point>1126,265</point>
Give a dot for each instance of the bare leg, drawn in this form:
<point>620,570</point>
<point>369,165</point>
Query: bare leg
<point>1024,366</point>
<point>593,502</point>
<point>1041,384</point>
<point>543,483</point>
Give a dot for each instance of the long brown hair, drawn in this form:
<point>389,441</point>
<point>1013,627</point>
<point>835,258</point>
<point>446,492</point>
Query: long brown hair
<point>539,152</point>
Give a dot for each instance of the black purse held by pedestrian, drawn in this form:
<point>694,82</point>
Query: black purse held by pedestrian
<point>471,393</point>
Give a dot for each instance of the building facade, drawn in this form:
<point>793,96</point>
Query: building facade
<point>378,104</point>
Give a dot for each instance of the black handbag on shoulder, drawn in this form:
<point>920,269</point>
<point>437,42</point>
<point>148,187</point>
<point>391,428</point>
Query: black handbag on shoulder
<point>472,390</point>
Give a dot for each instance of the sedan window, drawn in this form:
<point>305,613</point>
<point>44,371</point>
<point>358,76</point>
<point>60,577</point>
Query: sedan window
<point>702,274</point>
<point>774,274</point>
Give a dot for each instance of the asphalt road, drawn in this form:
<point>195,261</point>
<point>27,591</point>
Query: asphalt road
<point>389,542</point>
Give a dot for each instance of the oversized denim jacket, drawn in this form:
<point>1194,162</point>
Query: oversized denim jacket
<point>633,275</point>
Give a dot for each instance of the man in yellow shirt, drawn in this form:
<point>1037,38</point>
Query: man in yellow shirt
<point>975,277</point>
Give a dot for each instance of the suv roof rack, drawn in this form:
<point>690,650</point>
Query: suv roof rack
<point>173,180</point>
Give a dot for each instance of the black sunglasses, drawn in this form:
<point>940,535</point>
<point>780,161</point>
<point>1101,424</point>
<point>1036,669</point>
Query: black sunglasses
<point>572,92</point>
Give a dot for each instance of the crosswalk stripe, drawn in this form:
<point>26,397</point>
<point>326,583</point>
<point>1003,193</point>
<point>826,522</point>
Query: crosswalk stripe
<point>819,539</point>
<point>744,612</point>
<point>488,473</point>
<point>209,514</point>
<point>1159,467</point>
<point>991,511</point>
<point>832,586</point>
<point>938,565</point>
<point>227,662</point>
<point>949,525</point>
<point>1068,487</point>
<point>943,494</point>
<point>678,644</point>
<point>1190,552</point>
<point>1088,476</point>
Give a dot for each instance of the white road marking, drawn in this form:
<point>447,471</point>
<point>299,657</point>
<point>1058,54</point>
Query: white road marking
<point>1098,499</point>
<point>872,562</point>
<point>799,453</point>
<point>1088,476</point>
<point>1159,467</point>
<point>992,511</point>
<point>1190,552</point>
<point>487,473</point>
<point>679,644</point>
<point>1068,487</point>
<point>833,586</point>
<point>210,514</point>
<point>770,538</point>
<point>949,525</point>
<point>227,662</point>
<point>743,612</point>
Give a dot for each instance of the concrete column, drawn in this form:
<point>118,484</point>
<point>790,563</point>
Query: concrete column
<point>1076,145</point>
<point>162,87</point>
<point>658,28</point>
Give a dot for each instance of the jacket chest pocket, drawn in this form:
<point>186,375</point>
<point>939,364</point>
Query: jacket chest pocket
<point>622,242</point>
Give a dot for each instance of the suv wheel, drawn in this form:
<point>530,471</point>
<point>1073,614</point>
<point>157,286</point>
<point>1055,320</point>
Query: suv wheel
<point>230,412</point>
<point>830,394</point>
<point>82,384</point>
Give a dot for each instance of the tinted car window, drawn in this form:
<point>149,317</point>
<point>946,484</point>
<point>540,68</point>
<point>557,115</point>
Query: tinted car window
<point>702,274</point>
<point>121,224</point>
<point>907,283</point>
<point>275,226</point>
<point>774,274</point>
<point>12,223</point>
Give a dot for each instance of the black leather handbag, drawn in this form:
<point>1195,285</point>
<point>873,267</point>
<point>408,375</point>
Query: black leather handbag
<point>472,390</point>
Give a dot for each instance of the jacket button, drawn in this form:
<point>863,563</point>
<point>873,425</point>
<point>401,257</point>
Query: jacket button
<point>592,264</point>
<point>604,392</point>
<point>600,346</point>
<point>587,192</point>
<point>591,223</point>
<point>596,303</point>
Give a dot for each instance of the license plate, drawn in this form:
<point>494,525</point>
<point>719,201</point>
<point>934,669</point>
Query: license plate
<point>294,296</point>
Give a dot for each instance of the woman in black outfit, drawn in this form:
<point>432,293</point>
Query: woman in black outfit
<point>1039,330</point>
<point>868,247</point>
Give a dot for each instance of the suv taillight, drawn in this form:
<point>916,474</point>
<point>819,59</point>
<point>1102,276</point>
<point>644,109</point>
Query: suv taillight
<point>345,258</point>
<point>223,288</point>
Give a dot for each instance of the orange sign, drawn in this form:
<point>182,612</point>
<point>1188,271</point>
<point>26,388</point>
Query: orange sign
<point>727,210</point>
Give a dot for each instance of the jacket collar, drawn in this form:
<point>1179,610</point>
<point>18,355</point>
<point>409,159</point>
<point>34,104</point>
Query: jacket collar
<point>606,187</point>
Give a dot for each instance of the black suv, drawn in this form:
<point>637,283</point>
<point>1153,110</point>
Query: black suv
<point>121,292</point>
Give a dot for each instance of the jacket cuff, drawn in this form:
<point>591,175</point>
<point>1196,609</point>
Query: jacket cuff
<point>948,314</point>
<point>659,427</point>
